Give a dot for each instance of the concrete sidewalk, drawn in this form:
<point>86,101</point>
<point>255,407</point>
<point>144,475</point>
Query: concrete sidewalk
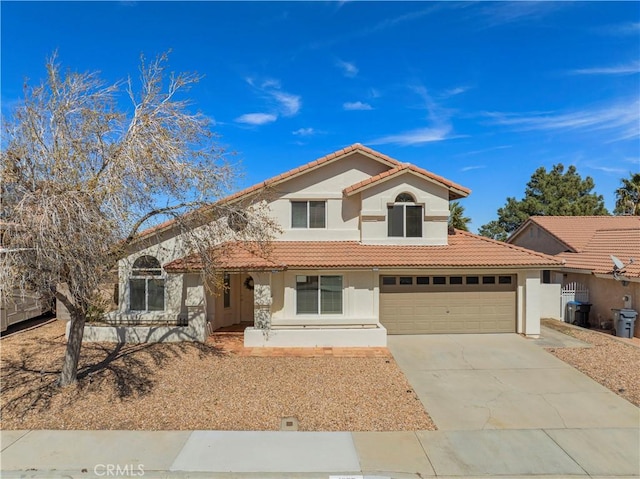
<point>550,453</point>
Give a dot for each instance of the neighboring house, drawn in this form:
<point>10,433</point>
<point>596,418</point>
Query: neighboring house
<point>364,251</point>
<point>586,244</point>
<point>20,305</point>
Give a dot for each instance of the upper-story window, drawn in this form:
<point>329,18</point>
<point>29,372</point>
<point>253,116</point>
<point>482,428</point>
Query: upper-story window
<point>146,285</point>
<point>308,214</point>
<point>404,217</point>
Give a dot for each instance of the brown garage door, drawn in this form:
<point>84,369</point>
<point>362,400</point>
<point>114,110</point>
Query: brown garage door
<point>448,304</point>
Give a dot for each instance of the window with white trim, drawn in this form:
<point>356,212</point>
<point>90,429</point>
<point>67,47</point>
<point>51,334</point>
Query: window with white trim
<point>318,294</point>
<point>146,285</point>
<point>308,214</point>
<point>404,217</point>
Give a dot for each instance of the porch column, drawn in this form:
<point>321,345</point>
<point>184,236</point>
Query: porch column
<point>261,300</point>
<point>532,304</point>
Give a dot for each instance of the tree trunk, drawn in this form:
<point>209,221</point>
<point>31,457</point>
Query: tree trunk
<point>72,354</point>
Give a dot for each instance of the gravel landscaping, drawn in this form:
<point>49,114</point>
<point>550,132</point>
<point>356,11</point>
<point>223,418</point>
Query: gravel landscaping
<point>612,362</point>
<point>190,386</point>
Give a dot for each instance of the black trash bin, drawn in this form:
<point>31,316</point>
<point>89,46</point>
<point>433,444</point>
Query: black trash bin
<point>582,315</point>
<point>624,321</point>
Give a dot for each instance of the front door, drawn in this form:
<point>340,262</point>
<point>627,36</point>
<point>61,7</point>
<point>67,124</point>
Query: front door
<point>246,299</point>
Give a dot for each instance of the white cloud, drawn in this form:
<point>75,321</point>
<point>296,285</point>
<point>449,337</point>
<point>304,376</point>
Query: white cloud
<point>500,13</point>
<point>256,118</point>
<point>356,105</point>
<point>635,161</point>
<point>280,102</point>
<point>455,91</point>
<point>415,137</point>
<point>438,119</point>
<point>437,114</point>
<point>620,119</point>
<point>270,83</point>
<point>607,169</point>
<point>289,105</point>
<point>348,68</point>
<point>485,150</point>
<point>304,132</point>
<point>470,168</point>
<point>630,68</point>
<point>385,24</point>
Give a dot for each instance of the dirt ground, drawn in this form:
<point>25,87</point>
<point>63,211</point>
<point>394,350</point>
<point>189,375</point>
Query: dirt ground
<point>190,386</point>
<point>612,362</point>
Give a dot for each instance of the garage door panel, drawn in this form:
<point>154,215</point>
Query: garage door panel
<point>448,312</point>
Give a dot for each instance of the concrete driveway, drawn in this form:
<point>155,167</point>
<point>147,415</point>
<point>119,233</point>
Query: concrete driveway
<point>505,407</point>
<point>504,381</point>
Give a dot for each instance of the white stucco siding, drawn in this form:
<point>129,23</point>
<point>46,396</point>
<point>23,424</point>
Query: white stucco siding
<point>362,294</point>
<point>433,197</point>
<point>325,183</point>
<point>169,247</point>
<point>173,288</point>
<point>358,300</point>
<point>342,222</point>
<point>528,319</point>
<point>277,295</point>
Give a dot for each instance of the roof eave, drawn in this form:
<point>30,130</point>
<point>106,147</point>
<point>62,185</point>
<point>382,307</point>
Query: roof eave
<point>631,279</point>
<point>454,192</point>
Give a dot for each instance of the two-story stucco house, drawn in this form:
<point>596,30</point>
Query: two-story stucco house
<point>365,251</point>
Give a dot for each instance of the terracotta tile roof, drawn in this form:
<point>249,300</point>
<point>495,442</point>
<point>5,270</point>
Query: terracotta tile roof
<point>595,255</point>
<point>464,250</point>
<point>356,147</point>
<point>577,231</point>
<point>455,191</point>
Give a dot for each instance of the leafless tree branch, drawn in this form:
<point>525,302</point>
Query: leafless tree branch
<point>80,177</point>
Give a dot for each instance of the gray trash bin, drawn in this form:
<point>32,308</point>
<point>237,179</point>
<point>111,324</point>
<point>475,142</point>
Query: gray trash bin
<point>570,311</point>
<point>624,321</point>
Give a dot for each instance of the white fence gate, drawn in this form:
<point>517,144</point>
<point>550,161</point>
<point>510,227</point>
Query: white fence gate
<point>573,292</point>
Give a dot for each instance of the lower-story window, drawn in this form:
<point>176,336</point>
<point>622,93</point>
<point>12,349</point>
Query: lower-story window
<point>318,294</point>
<point>146,285</point>
<point>146,294</point>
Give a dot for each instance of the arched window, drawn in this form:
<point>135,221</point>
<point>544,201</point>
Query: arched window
<point>146,285</point>
<point>404,217</point>
<point>405,198</point>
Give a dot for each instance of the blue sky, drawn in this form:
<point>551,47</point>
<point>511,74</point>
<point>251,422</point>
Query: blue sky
<point>481,93</point>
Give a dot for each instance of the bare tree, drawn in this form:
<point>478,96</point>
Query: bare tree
<point>81,176</point>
